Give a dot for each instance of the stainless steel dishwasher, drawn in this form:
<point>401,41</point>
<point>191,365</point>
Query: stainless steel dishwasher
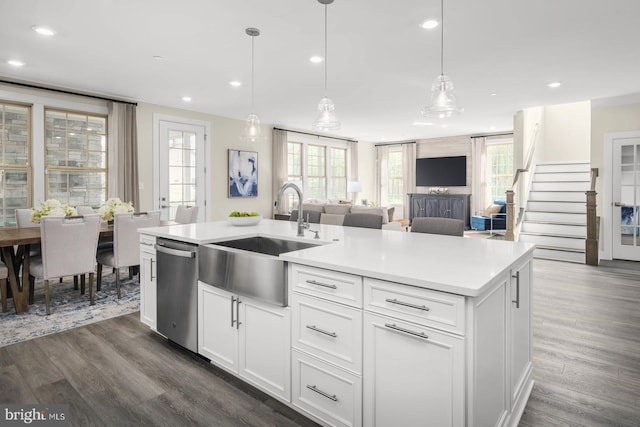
<point>177,285</point>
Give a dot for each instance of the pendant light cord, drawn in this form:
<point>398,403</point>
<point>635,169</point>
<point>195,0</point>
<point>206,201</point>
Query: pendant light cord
<point>325,50</point>
<point>441,37</point>
<point>252,80</point>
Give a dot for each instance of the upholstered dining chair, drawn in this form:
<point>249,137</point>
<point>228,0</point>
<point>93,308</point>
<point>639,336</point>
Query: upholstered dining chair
<point>435,225</point>
<point>85,210</point>
<point>331,219</point>
<point>23,220</point>
<point>69,246</point>
<point>4,273</point>
<point>362,220</point>
<point>186,214</point>
<point>126,246</point>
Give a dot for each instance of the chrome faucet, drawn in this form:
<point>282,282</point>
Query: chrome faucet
<point>301,224</point>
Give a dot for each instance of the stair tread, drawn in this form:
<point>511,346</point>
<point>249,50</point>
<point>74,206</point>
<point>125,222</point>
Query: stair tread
<point>578,224</point>
<point>560,249</point>
<point>564,236</point>
<point>557,212</point>
<point>557,191</point>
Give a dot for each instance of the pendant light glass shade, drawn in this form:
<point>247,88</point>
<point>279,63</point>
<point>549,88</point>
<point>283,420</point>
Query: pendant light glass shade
<point>326,119</point>
<point>252,130</point>
<point>442,103</point>
<point>326,116</point>
<point>443,99</point>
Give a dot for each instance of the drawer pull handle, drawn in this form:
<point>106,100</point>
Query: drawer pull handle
<point>517,277</point>
<point>322,331</point>
<point>313,282</point>
<point>406,331</point>
<point>322,393</point>
<point>406,304</point>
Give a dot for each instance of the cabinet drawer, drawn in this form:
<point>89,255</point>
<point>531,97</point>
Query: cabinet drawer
<point>147,243</point>
<point>332,285</point>
<point>326,392</point>
<point>328,330</point>
<point>423,306</point>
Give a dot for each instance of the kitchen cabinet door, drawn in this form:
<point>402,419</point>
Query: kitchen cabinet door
<point>265,342</point>
<point>520,339</point>
<point>217,328</point>
<point>148,302</point>
<point>412,375</point>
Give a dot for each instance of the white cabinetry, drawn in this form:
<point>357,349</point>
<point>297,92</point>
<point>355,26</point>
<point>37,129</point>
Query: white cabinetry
<point>413,374</point>
<point>326,344</point>
<point>520,336</point>
<point>148,302</point>
<point>249,338</point>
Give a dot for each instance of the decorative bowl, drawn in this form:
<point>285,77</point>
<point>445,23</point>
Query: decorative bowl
<point>244,220</point>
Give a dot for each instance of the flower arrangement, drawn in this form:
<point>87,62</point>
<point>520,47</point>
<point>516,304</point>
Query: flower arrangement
<point>52,207</point>
<point>113,206</point>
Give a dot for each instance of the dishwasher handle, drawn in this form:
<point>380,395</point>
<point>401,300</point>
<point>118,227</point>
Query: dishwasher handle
<point>175,252</point>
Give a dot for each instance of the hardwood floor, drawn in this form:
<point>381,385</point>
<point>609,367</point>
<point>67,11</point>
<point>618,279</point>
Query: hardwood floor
<point>586,341</point>
<point>117,372</point>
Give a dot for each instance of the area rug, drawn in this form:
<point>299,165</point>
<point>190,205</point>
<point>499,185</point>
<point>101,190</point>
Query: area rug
<point>69,309</point>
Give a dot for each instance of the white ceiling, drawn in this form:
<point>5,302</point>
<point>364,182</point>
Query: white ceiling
<point>381,63</point>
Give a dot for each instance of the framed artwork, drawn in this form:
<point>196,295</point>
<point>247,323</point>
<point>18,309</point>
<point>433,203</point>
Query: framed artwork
<point>243,173</point>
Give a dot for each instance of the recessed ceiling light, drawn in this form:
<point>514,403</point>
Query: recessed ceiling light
<point>316,59</point>
<point>422,124</point>
<point>235,83</point>
<point>430,24</point>
<point>15,63</point>
<point>554,84</point>
<point>158,57</point>
<point>44,31</point>
<point>493,93</point>
<point>186,98</point>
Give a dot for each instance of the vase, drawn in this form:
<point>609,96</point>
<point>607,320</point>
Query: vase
<point>110,222</point>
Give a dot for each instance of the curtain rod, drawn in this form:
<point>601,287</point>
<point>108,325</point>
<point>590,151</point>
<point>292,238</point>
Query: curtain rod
<point>486,135</point>
<point>395,143</point>
<point>315,134</point>
<point>66,92</point>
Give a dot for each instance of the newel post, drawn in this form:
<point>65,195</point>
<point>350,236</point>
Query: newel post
<point>510,216</point>
<point>591,244</point>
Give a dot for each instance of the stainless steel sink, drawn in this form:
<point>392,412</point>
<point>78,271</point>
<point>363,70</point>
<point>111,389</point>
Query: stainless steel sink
<point>249,266</point>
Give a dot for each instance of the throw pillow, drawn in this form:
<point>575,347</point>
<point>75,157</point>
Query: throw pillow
<point>382,211</point>
<point>337,209</point>
<point>316,207</point>
<point>492,209</point>
<point>391,211</point>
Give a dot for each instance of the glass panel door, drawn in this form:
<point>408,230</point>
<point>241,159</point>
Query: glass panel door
<point>626,199</point>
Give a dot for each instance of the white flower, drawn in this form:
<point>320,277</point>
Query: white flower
<point>113,206</point>
<point>52,207</point>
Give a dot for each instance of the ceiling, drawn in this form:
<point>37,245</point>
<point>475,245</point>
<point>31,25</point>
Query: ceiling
<point>381,62</point>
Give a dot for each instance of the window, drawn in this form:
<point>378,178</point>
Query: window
<point>395,187</point>
<point>76,157</point>
<point>15,174</point>
<point>182,170</point>
<point>320,167</point>
<point>499,169</point>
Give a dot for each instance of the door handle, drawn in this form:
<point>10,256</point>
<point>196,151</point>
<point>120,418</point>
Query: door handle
<point>619,204</point>
<point>164,206</point>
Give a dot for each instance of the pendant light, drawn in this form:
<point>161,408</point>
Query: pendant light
<point>252,131</point>
<point>443,99</point>
<point>326,109</point>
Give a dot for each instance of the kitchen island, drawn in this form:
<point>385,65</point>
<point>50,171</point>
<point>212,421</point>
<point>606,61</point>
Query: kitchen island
<point>381,327</point>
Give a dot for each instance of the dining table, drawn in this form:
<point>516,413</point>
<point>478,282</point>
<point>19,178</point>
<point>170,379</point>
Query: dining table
<point>15,245</point>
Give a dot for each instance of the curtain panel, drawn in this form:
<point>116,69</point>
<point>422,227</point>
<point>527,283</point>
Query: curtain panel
<point>408,174</point>
<point>123,153</point>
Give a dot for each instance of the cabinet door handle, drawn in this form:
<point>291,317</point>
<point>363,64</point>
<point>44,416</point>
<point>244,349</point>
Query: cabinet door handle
<point>238,322</point>
<point>406,304</point>
<point>233,300</point>
<point>517,301</point>
<point>322,331</point>
<point>151,270</point>
<point>406,331</point>
<point>314,282</point>
<point>322,393</point>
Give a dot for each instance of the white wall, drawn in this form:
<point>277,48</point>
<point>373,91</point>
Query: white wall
<point>225,134</point>
<point>367,171</point>
<point>566,133</point>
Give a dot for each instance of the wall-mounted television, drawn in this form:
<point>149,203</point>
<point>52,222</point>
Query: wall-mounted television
<point>441,171</point>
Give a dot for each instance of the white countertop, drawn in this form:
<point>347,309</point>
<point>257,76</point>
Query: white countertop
<point>464,266</point>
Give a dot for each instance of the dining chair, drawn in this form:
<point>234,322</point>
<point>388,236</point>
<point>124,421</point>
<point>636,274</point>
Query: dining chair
<point>363,220</point>
<point>186,214</point>
<point>435,225</point>
<point>331,219</point>
<point>69,246</point>
<point>4,273</point>
<point>126,246</point>
<point>23,219</point>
